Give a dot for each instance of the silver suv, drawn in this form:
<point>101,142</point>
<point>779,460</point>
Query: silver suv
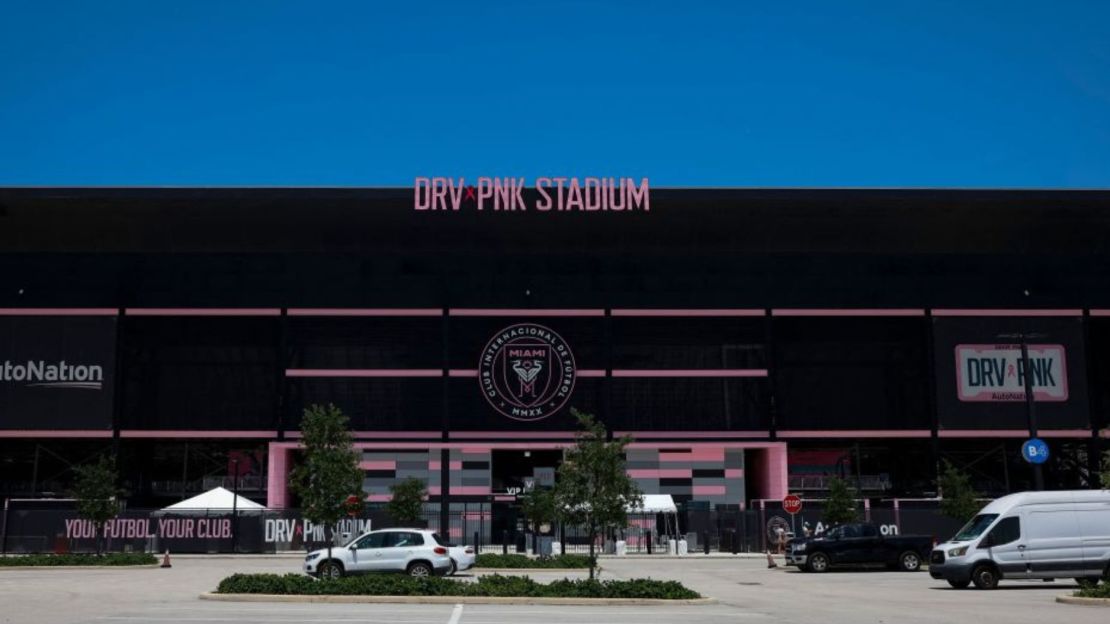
<point>417,552</point>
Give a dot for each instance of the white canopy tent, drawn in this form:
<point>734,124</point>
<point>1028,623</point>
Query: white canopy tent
<point>218,499</point>
<point>655,503</point>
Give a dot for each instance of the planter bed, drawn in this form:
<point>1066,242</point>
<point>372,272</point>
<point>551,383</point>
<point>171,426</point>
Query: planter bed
<point>493,586</point>
<point>524,562</point>
<point>79,560</point>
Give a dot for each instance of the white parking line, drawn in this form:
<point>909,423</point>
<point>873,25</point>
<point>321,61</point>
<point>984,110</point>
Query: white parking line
<point>456,614</point>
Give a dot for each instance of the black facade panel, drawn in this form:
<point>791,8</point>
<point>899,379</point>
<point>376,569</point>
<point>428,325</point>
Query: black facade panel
<point>365,342</point>
<point>689,342</point>
<point>851,373</point>
<point>376,404</point>
<point>200,373</point>
<point>679,404</point>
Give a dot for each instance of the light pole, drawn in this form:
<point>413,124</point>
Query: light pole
<point>235,506</point>
<point>1030,403</point>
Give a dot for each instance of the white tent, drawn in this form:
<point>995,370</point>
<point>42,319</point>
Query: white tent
<point>656,503</point>
<point>216,499</point>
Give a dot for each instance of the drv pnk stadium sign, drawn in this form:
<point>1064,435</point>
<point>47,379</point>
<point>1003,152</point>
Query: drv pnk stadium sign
<point>997,372</point>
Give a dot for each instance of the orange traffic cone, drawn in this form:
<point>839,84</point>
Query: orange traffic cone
<point>166,560</point>
<point>771,561</point>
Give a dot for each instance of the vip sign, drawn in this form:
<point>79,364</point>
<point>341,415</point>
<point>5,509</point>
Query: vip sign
<point>996,373</point>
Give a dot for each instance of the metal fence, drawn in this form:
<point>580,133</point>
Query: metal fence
<point>490,529</point>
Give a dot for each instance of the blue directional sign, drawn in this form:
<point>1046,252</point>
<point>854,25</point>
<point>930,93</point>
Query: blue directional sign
<point>1035,451</point>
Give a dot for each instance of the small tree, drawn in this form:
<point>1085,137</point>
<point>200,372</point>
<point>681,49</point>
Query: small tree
<point>593,489</point>
<point>958,498</point>
<point>330,472</point>
<point>97,495</point>
<point>840,507</point>
<point>538,507</point>
<point>406,507</point>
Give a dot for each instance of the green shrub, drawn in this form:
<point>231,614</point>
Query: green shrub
<point>525,562</point>
<point>111,559</point>
<point>1100,591</point>
<point>493,585</point>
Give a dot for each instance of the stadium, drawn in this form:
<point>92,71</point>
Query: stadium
<point>751,342</point>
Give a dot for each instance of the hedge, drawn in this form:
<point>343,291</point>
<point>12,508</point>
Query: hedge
<point>493,585</point>
<point>110,559</point>
<point>524,561</point>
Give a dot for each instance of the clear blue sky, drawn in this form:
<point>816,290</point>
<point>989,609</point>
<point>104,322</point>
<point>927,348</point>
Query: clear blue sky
<point>190,92</point>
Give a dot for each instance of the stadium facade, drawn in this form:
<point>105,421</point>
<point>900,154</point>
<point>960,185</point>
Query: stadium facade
<point>751,342</point>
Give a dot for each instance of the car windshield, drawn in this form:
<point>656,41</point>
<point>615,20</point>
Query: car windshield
<point>975,528</point>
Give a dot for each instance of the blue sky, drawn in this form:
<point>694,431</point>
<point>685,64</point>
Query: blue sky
<point>929,93</point>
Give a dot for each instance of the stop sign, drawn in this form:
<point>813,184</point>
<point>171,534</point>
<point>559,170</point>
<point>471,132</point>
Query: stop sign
<point>792,504</point>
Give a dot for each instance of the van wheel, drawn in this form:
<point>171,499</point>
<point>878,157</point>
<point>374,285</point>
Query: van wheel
<point>420,569</point>
<point>909,561</point>
<point>984,577</point>
<point>959,584</point>
<point>330,570</point>
<point>818,562</point>
<point>1087,582</point>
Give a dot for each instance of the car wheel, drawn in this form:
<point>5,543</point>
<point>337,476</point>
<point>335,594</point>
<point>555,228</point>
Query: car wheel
<point>420,570</point>
<point>984,577</point>
<point>959,584</point>
<point>909,561</point>
<point>818,562</point>
<point>454,568</point>
<point>1087,582</point>
<point>330,570</point>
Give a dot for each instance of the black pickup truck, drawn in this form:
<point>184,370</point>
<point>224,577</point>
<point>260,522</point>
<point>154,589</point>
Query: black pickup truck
<point>857,545</point>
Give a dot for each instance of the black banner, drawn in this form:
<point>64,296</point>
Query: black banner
<point>57,372</point>
<point>980,372</point>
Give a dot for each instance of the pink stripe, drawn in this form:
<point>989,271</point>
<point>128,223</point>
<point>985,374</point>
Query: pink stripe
<point>721,372</point>
<point>590,372</point>
<point>49,433</point>
<point>203,312</point>
<point>462,372</point>
<point>379,434</point>
<point>363,372</point>
<point>703,453</point>
<point>523,312</point>
<point>504,498</point>
<point>435,464</point>
<point>59,311</point>
<point>689,313</point>
<point>476,450</point>
<point>1100,312</point>
<point>364,312</point>
<point>734,473</point>
<point>379,498</point>
<point>848,312</point>
<point>662,473</point>
<point>698,445</point>
<point>977,312</point>
<point>1013,433</point>
<point>378,465</point>
<point>692,434</point>
<point>148,433</point>
<point>512,435</point>
<point>709,490</point>
<point>857,433</point>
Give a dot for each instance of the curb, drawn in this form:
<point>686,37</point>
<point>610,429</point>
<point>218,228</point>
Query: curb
<point>582,602</point>
<point>525,570</point>
<point>1090,602</point>
<point>145,566</point>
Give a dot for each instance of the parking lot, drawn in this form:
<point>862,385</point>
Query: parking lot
<point>746,591</point>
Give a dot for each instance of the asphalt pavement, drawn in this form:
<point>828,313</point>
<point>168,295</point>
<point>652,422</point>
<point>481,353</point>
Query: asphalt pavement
<point>745,589</point>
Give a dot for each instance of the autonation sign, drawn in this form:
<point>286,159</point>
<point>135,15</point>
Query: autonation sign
<point>57,372</point>
<point>54,374</point>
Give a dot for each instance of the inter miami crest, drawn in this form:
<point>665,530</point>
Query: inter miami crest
<point>526,372</point>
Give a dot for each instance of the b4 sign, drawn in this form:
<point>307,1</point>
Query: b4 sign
<point>997,373</point>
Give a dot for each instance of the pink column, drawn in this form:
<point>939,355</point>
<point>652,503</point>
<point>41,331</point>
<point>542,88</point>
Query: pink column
<point>277,477</point>
<point>775,482</point>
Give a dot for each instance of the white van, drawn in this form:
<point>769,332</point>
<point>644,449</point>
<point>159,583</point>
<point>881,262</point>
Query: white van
<point>1030,535</point>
